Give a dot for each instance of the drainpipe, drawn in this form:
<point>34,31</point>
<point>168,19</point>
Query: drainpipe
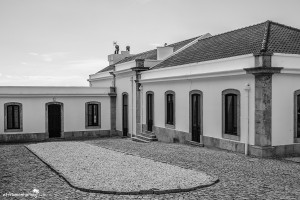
<point>141,107</point>
<point>247,89</point>
<point>131,79</point>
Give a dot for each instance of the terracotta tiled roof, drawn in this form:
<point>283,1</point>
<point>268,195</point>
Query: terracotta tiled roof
<point>152,54</point>
<point>270,37</point>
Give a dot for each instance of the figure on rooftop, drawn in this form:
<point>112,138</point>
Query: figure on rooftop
<point>116,49</point>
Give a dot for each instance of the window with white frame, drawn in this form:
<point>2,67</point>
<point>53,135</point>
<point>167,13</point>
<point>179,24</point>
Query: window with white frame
<point>93,112</point>
<point>170,108</point>
<point>13,117</point>
<point>231,114</point>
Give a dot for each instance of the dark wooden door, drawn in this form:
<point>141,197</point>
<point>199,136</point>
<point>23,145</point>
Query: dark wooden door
<point>54,120</point>
<point>196,120</point>
<point>149,112</point>
<point>125,114</point>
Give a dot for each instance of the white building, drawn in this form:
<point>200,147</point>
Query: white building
<point>238,91</point>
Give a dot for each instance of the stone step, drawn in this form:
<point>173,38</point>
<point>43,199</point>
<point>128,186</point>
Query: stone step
<point>194,143</point>
<point>149,132</point>
<point>147,138</point>
<point>148,135</point>
<point>136,139</point>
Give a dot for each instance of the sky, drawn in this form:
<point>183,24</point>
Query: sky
<point>61,42</point>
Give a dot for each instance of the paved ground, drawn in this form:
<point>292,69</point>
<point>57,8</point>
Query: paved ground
<point>240,177</point>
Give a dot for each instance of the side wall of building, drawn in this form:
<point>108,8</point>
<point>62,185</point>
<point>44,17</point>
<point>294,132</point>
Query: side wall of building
<point>124,85</point>
<point>102,83</point>
<point>74,113</point>
<point>211,89</point>
<point>283,88</point>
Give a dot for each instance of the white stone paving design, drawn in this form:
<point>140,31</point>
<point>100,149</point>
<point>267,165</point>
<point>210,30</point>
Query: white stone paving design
<point>92,167</point>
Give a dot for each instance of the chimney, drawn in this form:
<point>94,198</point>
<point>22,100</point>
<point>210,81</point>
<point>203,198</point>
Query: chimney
<point>164,52</point>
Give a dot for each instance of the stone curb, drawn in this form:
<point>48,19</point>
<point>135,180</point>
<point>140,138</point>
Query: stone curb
<point>211,182</point>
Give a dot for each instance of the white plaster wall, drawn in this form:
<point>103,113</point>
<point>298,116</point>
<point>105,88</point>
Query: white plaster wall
<point>212,103</point>
<point>286,60</point>
<point>102,83</point>
<point>123,84</point>
<point>126,65</point>
<point>74,112</point>
<point>283,88</point>
<point>100,75</point>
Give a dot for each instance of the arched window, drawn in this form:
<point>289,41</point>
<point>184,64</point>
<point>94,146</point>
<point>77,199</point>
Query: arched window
<point>231,114</point>
<point>13,117</point>
<point>170,109</point>
<point>93,112</point>
<point>297,116</point>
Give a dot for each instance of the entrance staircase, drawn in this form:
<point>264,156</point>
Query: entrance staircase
<point>145,137</point>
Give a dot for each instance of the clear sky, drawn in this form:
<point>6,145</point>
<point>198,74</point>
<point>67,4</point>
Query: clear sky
<point>61,42</point>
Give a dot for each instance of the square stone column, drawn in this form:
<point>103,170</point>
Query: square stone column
<point>140,66</point>
<point>263,72</point>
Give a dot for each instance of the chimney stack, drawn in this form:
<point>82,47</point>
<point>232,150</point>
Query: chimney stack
<point>164,52</point>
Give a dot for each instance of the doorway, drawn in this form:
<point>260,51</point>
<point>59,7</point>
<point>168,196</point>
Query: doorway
<point>125,114</point>
<point>195,116</point>
<point>149,111</point>
<point>54,120</point>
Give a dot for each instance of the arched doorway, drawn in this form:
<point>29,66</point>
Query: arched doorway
<point>196,115</point>
<point>149,111</point>
<point>125,113</point>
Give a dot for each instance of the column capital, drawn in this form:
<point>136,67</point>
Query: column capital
<point>263,70</point>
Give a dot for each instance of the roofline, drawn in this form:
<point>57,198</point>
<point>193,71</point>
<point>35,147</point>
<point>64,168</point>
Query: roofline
<point>206,35</point>
<point>119,62</point>
<point>202,63</point>
<point>286,26</point>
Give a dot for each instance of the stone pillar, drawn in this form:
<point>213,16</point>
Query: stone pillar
<point>263,110</point>
<point>138,104</point>
<point>113,107</point>
<point>263,72</point>
<point>140,66</point>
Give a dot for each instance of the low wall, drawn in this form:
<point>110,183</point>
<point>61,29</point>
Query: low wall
<point>174,136</point>
<point>38,137</point>
<point>22,137</point>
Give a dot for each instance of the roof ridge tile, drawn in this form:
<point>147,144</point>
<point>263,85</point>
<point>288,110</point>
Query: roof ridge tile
<point>264,44</point>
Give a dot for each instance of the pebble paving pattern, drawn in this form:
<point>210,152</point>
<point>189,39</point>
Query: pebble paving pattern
<point>94,168</point>
<point>241,177</point>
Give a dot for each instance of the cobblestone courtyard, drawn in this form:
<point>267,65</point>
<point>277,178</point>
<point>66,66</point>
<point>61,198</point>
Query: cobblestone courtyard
<point>240,177</point>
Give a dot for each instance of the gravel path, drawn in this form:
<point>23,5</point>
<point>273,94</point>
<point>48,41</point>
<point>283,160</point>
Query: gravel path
<point>99,169</point>
<point>241,177</point>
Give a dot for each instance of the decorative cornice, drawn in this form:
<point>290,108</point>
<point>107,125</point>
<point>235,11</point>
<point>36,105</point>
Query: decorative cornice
<point>195,76</point>
<point>112,94</point>
<point>122,72</point>
<point>139,69</point>
<point>100,78</point>
<point>263,54</point>
<point>52,95</point>
<point>263,70</point>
